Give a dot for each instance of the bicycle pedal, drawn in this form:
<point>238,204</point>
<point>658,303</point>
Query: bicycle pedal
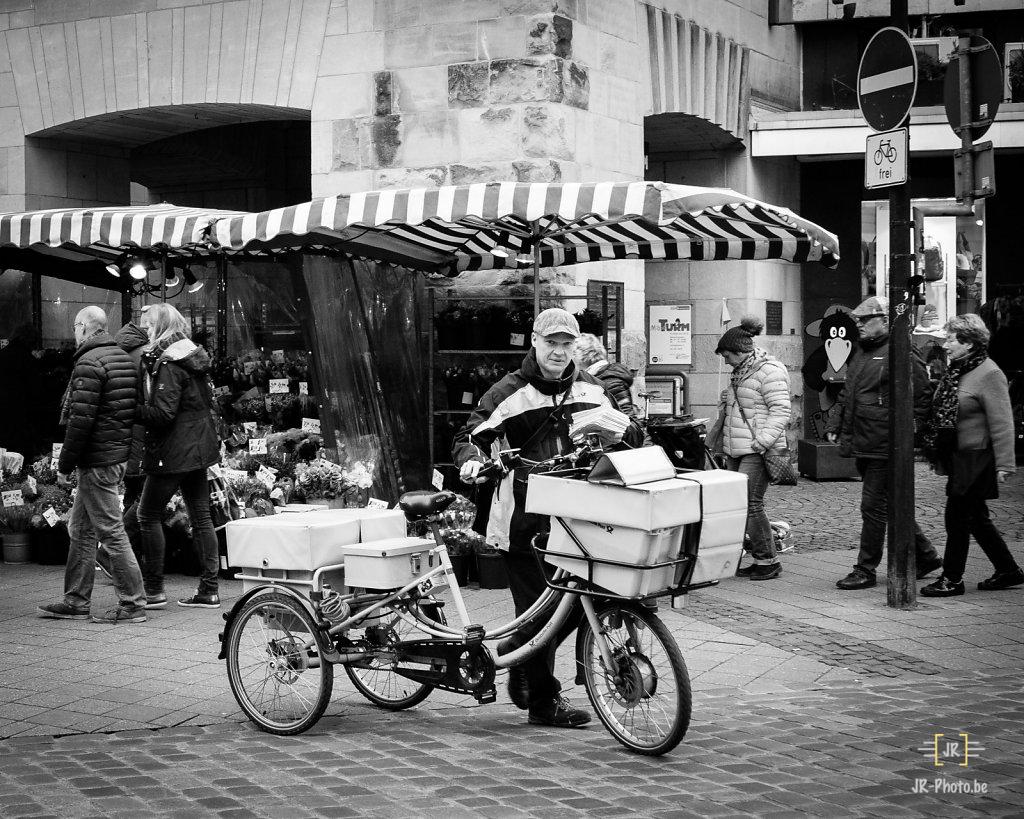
<point>486,697</point>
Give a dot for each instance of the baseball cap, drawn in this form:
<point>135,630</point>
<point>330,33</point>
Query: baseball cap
<point>555,320</point>
<point>871,307</point>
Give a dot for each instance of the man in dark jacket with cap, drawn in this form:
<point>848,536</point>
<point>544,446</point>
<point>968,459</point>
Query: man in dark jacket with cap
<point>862,430</point>
<point>99,410</point>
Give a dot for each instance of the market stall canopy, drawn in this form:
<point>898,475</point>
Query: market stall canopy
<point>76,244</point>
<point>500,224</point>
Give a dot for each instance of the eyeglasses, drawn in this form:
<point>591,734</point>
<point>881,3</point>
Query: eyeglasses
<point>79,324</point>
<point>866,319</point>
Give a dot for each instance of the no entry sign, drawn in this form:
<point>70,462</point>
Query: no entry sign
<point>887,79</point>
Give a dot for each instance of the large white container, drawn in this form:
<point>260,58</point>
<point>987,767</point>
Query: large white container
<point>386,564</point>
<point>619,543</point>
<point>724,522</point>
<point>300,540</point>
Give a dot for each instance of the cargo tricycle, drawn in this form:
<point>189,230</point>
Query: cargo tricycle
<point>627,529</point>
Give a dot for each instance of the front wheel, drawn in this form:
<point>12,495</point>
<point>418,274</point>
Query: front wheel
<point>644,698</point>
<point>275,665</point>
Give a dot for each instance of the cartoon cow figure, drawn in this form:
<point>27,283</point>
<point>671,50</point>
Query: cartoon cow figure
<point>825,368</point>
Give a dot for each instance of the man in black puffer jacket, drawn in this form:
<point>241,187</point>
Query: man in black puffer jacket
<point>99,410</point>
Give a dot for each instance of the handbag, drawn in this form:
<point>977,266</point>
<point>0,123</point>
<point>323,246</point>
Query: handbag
<point>778,465</point>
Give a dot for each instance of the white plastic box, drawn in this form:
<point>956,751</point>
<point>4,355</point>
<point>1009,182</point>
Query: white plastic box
<point>298,541</point>
<point>385,564</point>
<point>622,544</point>
<point>725,521</point>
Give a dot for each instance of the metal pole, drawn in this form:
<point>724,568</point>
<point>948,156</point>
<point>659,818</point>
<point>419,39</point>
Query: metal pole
<point>222,307</point>
<point>902,575</point>
<point>963,47</point>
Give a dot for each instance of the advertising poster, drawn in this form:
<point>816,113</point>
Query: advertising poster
<point>669,336</point>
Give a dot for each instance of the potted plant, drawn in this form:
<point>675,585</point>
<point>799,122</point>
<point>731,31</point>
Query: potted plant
<point>452,327</point>
<point>15,522</point>
<point>520,325</point>
<point>49,542</point>
<point>490,566</point>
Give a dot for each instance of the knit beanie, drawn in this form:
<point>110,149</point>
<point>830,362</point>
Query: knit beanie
<point>740,339</point>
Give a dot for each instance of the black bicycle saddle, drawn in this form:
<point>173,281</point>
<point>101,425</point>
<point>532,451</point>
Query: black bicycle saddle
<point>421,503</point>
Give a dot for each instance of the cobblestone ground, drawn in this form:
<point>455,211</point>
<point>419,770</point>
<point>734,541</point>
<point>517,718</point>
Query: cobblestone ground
<point>807,702</point>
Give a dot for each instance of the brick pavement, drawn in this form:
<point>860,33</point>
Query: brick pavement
<point>808,701</point>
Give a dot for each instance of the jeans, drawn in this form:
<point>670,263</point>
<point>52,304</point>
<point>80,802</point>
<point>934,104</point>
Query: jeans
<point>759,530</point>
<point>195,491</point>
<point>526,582</point>
<point>96,516</point>
<point>132,492</point>
<point>966,516</point>
<point>874,512</point>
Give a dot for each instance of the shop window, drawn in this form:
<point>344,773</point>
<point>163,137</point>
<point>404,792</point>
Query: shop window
<point>953,261</point>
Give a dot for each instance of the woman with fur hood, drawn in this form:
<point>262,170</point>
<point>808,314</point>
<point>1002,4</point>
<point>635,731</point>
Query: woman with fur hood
<point>752,418</point>
<point>181,442</point>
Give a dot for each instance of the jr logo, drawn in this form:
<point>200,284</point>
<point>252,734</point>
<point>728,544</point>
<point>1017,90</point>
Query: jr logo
<point>945,749</point>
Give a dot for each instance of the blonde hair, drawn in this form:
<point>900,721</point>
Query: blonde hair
<point>164,321</point>
<point>589,350</point>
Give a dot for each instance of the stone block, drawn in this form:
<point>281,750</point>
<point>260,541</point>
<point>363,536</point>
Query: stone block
<point>360,16</point>
<point>114,184</point>
<point>407,47</point>
<point>352,53</point>
<point>82,176</point>
<point>468,174</point>
<point>667,281</point>
<point>489,133</point>
<point>527,80</point>
<point>575,84</point>
<point>382,94</point>
<point>22,19</point>
<point>568,8</point>
<point>46,171</point>
<point>350,145</point>
<point>429,138</point>
<point>538,171</point>
<point>337,18</point>
<point>11,133</point>
<point>503,38</point>
<point>15,165</point>
<point>329,184</point>
<point>342,97</point>
<point>385,140</point>
<point>452,43</point>
<point>421,89</point>
<point>549,131</point>
<point>549,34</point>
<point>468,84</point>
<point>401,178</point>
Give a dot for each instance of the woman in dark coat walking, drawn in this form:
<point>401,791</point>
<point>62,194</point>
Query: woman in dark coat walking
<point>969,437</point>
<point>592,357</point>
<point>181,443</point>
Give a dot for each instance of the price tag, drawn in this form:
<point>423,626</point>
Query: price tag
<point>51,516</point>
<point>277,356</point>
<point>257,446</point>
<point>303,388</point>
<point>265,476</point>
<point>235,474</point>
<point>311,425</point>
<point>219,391</point>
<point>437,480</point>
<point>248,367</point>
<point>279,385</point>
<point>55,452</point>
<point>13,498</point>
<point>250,427</point>
<point>517,339</point>
<point>376,503</point>
<point>31,482</point>
<point>467,398</point>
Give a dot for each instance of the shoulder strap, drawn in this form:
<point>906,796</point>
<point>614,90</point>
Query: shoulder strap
<point>543,428</point>
<point>743,415</point>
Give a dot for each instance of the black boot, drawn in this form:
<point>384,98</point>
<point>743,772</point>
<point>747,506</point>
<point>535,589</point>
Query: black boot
<point>943,587</point>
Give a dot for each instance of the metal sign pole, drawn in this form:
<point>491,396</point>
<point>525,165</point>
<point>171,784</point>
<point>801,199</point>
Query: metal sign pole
<point>902,574</point>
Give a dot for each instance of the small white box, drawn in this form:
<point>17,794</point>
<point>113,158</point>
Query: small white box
<point>304,541</point>
<point>622,544</point>
<point>385,564</point>
<point>374,524</point>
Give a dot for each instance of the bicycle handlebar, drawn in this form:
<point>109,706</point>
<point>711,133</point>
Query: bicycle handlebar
<point>507,460</point>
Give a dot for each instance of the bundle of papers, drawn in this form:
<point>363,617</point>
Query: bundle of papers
<point>609,423</point>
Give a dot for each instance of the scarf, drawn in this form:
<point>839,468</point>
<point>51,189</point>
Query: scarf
<point>939,437</point>
<point>748,365</point>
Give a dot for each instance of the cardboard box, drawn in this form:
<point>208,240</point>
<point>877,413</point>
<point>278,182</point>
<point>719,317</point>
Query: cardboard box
<point>303,541</point>
<point>386,564</point>
<point>619,543</point>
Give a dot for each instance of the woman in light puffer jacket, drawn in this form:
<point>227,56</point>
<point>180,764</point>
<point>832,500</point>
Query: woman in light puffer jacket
<point>753,412</point>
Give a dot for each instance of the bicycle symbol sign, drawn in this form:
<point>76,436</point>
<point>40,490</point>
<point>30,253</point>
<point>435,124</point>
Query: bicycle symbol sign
<point>885,159</point>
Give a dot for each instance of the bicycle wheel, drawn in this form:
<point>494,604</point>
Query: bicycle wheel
<point>281,686</point>
<point>375,677</point>
<point>644,701</point>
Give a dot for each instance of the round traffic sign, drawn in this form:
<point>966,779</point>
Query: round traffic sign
<point>887,79</point>
<point>986,87</point>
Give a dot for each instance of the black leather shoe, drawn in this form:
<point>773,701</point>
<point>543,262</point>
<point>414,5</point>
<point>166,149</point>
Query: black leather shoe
<point>943,588</point>
<point>856,580</point>
<point>518,686</point>
<point>1003,580</point>
<point>746,571</point>
<point>558,713</point>
<point>766,571</point>
<point>928,567</point>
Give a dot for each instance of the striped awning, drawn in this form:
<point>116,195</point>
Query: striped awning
<point>152,226</point>
<point>495,225</point>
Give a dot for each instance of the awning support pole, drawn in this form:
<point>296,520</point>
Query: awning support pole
<point>222,306</point>
<point>536,268</point>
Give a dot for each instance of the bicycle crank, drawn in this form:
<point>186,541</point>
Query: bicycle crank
<point>451,665</point>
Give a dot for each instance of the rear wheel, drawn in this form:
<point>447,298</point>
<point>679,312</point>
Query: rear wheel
<point>644,698</point>
<point>275,665</point>
<point>375,677</point>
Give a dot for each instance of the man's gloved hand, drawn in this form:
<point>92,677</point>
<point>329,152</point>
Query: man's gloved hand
<point>469,470</point>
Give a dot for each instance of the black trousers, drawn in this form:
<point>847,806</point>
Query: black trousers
<point>966,516</point>
<point>526,582</point>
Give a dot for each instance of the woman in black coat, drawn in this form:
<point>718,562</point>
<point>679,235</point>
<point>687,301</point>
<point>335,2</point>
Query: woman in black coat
<point>181,443</point>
